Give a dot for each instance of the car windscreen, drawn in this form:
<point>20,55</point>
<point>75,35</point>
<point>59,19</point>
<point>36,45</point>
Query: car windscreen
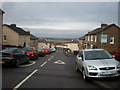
<point>8,50</point>
<point>98,54</point>
<point>27,49</point>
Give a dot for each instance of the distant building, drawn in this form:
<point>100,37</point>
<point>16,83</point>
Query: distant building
<point>43,44</point>
<point>1,23</point>
<point>14,36</point>
<point>106,37</point>
<point>33,41</point>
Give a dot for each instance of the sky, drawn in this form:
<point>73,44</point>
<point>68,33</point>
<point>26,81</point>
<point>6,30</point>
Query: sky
<point>60,19</point>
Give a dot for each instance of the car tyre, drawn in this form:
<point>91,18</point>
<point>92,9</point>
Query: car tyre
<point>84,76</point>
<point>28,59</point>
<point>17,63</point>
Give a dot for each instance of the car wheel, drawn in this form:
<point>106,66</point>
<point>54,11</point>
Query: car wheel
<point>76,68</point>
<point>17,63</point>
<point>28,59</point>
<point>84,76</point>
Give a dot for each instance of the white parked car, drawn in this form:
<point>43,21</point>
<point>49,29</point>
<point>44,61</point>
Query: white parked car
<point>52,49</point>
<point>97,63</point>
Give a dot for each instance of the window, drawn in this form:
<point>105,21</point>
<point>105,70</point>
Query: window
<point>95,38</point>
<point>91,37</point>
<point>112,40</point>
<point>4,38</point>
<point>88,38</point>
<point>18,51</point>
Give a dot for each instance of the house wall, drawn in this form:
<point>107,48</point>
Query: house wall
<point>43,45</point>
<point>12,38</point>
<point>81,44</point>
<point>34,43</point>
<point>72,46</point>
<point>1,22</point>
<point>24,39</point>
<point>111,32</point>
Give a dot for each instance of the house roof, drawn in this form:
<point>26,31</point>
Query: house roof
<point>1,11</point>
<point>32,37</point>
<point>98,30</point>
<point>82,38</point>
<point>41,40</point>
<point>18,30</point>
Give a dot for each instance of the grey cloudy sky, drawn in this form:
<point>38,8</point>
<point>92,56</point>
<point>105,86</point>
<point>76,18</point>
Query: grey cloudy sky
<point>60,19</point>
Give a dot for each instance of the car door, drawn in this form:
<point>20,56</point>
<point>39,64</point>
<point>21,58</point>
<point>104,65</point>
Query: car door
<point>25,56</point>
<point>18,55</point>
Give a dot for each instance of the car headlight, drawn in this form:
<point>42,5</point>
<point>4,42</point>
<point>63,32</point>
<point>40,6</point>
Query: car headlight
<point>118,66</point>
<point>92,67</point>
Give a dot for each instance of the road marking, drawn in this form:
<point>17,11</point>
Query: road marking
<point>59,62</point>
<point>46,61</point>
<point>43,64</point>
<point>32,62</point>
<point>50,58</point>
<point>16,87</point>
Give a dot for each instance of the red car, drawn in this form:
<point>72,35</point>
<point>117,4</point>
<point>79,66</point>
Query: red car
<point>32,53</point>
<point>117,56</point>
<point>47,50</point>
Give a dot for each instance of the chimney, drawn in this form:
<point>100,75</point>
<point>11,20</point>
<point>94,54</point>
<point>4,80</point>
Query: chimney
<point>28,32</point>
<point>13,25</point>
<point>103,25</point>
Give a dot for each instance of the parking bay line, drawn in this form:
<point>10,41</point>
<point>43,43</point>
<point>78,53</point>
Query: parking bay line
<point>16,87</point>
<point>46,61</point>
<point>43,64</point>
<point>50,58</point>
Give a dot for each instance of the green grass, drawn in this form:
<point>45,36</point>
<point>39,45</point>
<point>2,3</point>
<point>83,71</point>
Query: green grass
<point>62,41</point>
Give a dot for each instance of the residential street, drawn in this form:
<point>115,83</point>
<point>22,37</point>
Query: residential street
<point>56,70</point>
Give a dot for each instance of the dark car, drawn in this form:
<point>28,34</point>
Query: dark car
<point>13,56</point>
<point>41,52</point>
<point>32,53</point>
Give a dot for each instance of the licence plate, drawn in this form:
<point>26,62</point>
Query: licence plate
<point>2,62</point>
<point>108,72</point>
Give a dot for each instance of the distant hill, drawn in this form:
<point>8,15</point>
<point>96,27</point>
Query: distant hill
<point>61,40</point>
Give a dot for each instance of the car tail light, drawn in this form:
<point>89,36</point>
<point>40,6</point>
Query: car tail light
<point>11,56</point>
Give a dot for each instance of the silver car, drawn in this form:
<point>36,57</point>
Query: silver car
<point>97,63</point>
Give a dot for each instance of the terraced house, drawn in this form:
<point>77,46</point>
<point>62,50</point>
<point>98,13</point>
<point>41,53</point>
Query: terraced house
<point>33,41</point>
<point>14,36</point>
<point>106,37</point>
<point>1,23</point>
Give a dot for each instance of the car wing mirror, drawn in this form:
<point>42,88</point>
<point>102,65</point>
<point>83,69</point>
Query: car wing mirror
<point>113,56</point>
<point>79,57</point>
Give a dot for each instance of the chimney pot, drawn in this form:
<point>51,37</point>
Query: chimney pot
<point>13,25</point>
<point>103,25</point>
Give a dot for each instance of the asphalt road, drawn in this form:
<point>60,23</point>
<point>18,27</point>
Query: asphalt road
<point>56,70</point>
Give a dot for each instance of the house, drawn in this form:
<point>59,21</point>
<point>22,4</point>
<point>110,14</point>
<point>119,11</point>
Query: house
<point>14,36</point>
<point>33,41</point>
<point>1,23</point>
<point>42,43</point>
<point>106,37</point>
<point>73,45</point>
